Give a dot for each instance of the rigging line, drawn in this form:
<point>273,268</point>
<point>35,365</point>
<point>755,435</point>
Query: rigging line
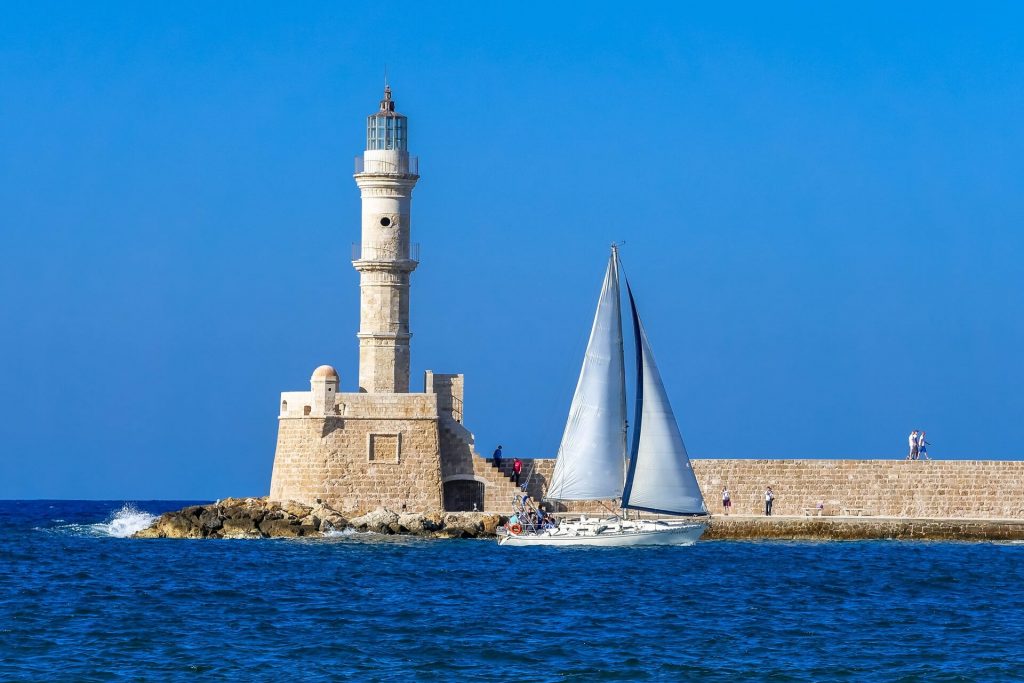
<point>526,485</point>
<point>614,513</point>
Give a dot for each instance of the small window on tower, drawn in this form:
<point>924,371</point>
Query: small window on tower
<point>385,221</point>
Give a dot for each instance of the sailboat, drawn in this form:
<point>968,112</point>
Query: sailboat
<point>593,463</point>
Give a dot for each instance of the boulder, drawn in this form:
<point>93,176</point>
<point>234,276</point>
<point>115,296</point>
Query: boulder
<point>210,521</point>
<point>381,521</point>
<point>245,508</point>
<point>280,528</point>
<point>297,510</point>
<point>466,524</point>
<point>149,532</point>
<point>329,520</point>
<point>412,522</point>
<point>174,525</point>
<point>240,527</point>
<point>490,524</point>
<point>261,518</point>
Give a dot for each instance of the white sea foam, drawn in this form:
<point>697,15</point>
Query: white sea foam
<point>126,522</point>
<point>121,524</point>
<point>342,533</point>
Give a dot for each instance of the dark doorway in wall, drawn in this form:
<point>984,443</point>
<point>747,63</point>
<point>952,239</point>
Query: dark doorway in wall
<point>460,495</point>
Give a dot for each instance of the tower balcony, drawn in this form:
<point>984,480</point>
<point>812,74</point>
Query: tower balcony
<point>385,252</point>
<point>404,165</point>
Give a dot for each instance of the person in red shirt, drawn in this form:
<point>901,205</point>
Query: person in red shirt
<point>517,468</point>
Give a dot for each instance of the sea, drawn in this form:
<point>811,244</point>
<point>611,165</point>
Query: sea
<point>81,601</point>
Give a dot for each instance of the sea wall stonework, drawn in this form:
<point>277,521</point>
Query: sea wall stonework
<point>965,489</point>
<point>439,467</point>
<point>382,450</point>
<point>977,489</point>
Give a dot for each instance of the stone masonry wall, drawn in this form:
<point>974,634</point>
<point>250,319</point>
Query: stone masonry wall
<point>980,489</point>
<point>968,489</point>
<point>329,458</point>
<point>359,463</point>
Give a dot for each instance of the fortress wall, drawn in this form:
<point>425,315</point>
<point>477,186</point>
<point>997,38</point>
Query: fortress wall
<point>900,488</point>
<point>975,489</point>
<point>359,463</point>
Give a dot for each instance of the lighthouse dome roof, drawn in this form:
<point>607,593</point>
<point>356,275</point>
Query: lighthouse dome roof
<point>325,372</point>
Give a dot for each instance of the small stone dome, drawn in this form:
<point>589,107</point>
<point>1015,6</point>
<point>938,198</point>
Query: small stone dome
<point>325,372</point>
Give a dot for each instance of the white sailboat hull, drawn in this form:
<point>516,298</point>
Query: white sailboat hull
<point>609,533</point>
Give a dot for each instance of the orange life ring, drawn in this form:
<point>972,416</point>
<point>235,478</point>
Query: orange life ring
<point>516,529</point>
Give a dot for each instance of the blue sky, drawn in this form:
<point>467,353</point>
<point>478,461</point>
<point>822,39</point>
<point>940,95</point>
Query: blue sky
<point>822,208</point>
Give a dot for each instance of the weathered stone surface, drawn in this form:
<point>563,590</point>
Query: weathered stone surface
<point>413,523</point>
<point>173,525</point>
<point>490,523</point>
<point>210,520</point>
<point>380,450</point>
<point>466,524</point>
<point>327,519</point>
<point>240,527</point>
<point>862,528</point>
<point>260,518</point>
<point>930,489</point>
<point>239,518</point>
<point>280,528</point>
<point>380,521</point>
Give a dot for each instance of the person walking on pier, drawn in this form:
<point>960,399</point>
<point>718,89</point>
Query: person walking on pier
<point>497,457</point>
<point>769,498</point>
<point>517,469</point>
<point>922,447</point>
<point>726,500</point>
<point>912,455</point>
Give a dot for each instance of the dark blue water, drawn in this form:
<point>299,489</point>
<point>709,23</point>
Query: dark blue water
<point>78,604</point>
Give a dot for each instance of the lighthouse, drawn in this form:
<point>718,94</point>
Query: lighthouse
<point>385,256</point>
<point>383,445</point>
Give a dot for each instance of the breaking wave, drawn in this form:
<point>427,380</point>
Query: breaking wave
<point>343,533</point>
<point>122,523</point>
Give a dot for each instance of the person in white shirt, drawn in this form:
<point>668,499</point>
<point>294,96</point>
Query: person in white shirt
<point>769,498</point>
<point>922,447</point>
<point>726,500</point>
<point>912,455</point>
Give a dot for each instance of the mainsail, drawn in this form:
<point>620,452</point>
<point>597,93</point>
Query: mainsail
<point>660,478</point>
<point>592,455</point>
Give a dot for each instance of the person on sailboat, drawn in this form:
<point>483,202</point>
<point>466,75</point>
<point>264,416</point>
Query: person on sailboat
<point>497,457</point>
<point>726,500</point>
<point>769,498</point>
<point>517,469</point>
<point>594,461</point>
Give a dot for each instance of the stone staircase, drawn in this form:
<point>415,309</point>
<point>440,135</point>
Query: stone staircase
<point>461,458</point>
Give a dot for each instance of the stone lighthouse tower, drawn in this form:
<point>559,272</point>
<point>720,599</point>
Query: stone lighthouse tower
<point>383,445</point>
<point>385,174</point>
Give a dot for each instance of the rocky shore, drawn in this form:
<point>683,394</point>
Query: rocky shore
<point>261,518</point>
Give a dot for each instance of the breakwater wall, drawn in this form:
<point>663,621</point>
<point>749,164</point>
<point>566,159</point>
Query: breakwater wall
<point>969,489</point>
<point>861,529</point>
<point>964,489</point>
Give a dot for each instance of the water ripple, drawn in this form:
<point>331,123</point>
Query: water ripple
<point>80,605</point>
